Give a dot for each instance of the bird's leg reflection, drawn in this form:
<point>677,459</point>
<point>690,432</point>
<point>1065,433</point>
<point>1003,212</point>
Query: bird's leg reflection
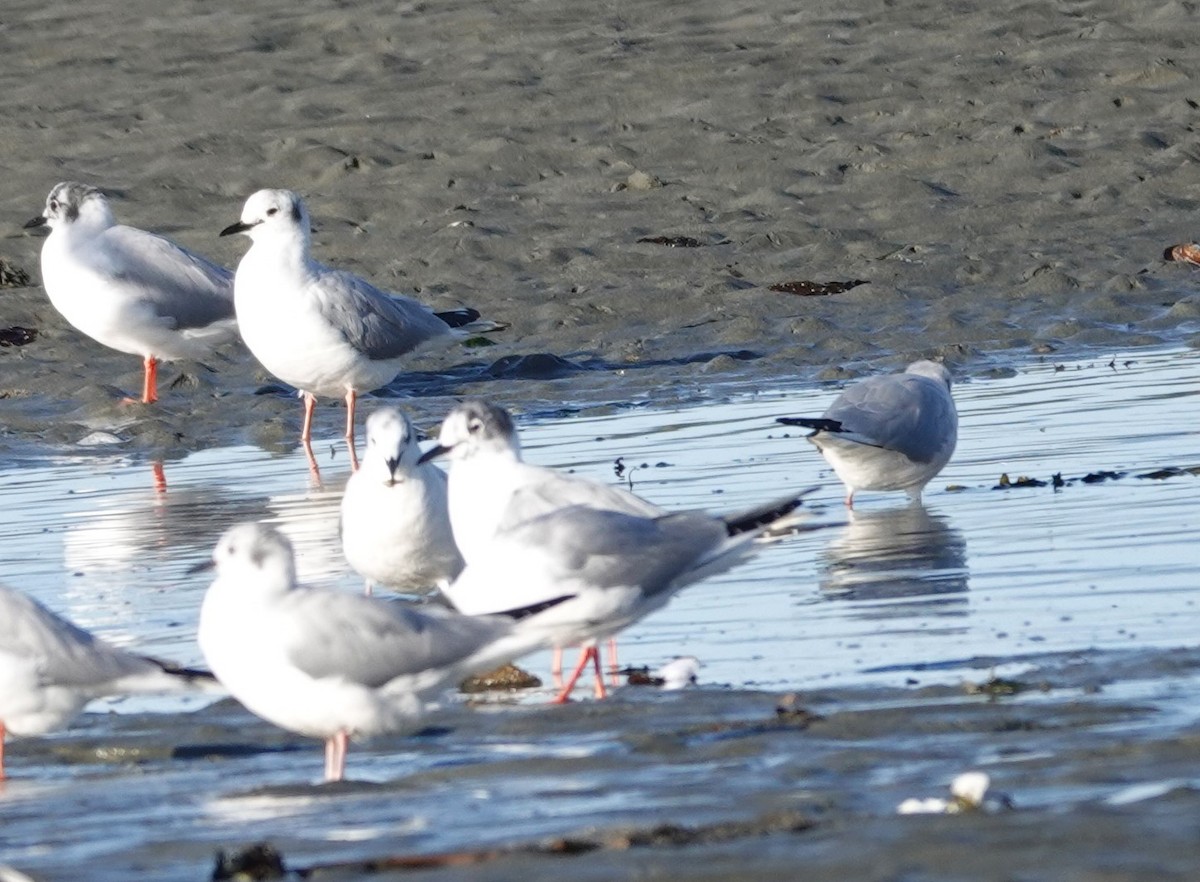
<point>160,477</point>
<point>314,470</point>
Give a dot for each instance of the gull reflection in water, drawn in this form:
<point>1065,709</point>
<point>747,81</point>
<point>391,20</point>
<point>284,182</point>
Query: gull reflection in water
<point>905,555</point>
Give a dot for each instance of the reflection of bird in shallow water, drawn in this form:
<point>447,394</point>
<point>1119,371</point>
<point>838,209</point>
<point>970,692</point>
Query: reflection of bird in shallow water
<point>897,553</point>
<point>122,540</point>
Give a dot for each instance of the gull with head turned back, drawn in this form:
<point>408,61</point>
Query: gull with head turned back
<point>130,290</point>
<point>889,432</point>
<point>333,665</point>
<point>327,332</point>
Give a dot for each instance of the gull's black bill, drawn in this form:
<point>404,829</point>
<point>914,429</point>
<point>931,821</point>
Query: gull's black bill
<point>433,453</point>
<point>34,223</point>
<point>239,227</point>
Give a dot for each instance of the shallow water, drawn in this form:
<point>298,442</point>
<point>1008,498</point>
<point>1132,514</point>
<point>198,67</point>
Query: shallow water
<point>890,595</point>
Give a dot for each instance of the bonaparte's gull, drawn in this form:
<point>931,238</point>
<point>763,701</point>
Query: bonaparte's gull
<point>492,488</point>
<point>333,665</point>
<point>325,331</point>
<point>395,523</point>
<point>50,669</point>
<point>890,432</point>
<point>130,290</point>
<point>600,571</point>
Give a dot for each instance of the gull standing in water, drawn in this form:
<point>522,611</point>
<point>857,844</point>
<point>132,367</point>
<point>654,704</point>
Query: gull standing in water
<point>493,489</point>
<point>890,432</point>
<point>50,669</point>
<point>325,331</point>
<point>128,289</point>
<point>600,571</point>
<point>333,665</point>
<point>395,523</point>
<point>616,556</point>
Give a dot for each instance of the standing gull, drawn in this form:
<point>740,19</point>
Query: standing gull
<point>128,289</point>
<point>325,331</point>
<point>600,571</point>
<point>493,489</point>
<point>890,432</point>
<point>395,524</point>
<point>333,665</point>
<point>50,669</point>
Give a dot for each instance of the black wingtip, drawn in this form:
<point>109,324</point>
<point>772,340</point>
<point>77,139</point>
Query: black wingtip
<point>763,515</point>
<point>192,675</point>
<point>457,318</point>
<point>525,612</point>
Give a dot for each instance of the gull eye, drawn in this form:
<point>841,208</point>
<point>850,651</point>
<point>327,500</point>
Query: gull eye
<point>474,426</point>
<point>271,212</point>
<point>54,205</point>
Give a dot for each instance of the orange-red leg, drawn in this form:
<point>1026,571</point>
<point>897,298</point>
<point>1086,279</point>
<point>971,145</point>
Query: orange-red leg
<point>613,665</point>
<point>351,403</point>
<point>149,380</point>
<point>335,756</point>
<point>588,655</point>
<point>310,403</point>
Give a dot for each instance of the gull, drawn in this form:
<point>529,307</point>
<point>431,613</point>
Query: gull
<point>50,669</point>
<point>590,573</point>
<point>890,432</point>
<point>325,331</point>
<point>332,665</point>
<point>128,289</point>
<point>395,523</point>
<point>493,489</point>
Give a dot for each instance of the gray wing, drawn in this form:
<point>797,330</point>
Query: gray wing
<point>371,641</point>
<point>584,548</point>
<point>64,654</point>
<point>183,288</point>
<point>380,325</point>
<point>907,413</point>
<point>553,490</point>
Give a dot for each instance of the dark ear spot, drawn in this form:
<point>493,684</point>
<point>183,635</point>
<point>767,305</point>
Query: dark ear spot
<point>258,554</point>
<point>296,210</point>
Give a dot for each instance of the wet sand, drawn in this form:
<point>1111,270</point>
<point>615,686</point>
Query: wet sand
<point>1005,179</point>
<point>709,783</point>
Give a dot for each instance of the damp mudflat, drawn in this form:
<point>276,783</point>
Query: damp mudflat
<point>1036,618</point>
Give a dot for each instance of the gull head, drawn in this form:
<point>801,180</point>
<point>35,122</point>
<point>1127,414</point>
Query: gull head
<point>932,369</point>
<point>476,427</point>
<point>391,446</point>
<point>73,204</point>
<point>256,557</point>
<point>278,214</point>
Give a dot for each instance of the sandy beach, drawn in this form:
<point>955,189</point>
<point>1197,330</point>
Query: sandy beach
<point>1004,179</point>
<point>621,188</point>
